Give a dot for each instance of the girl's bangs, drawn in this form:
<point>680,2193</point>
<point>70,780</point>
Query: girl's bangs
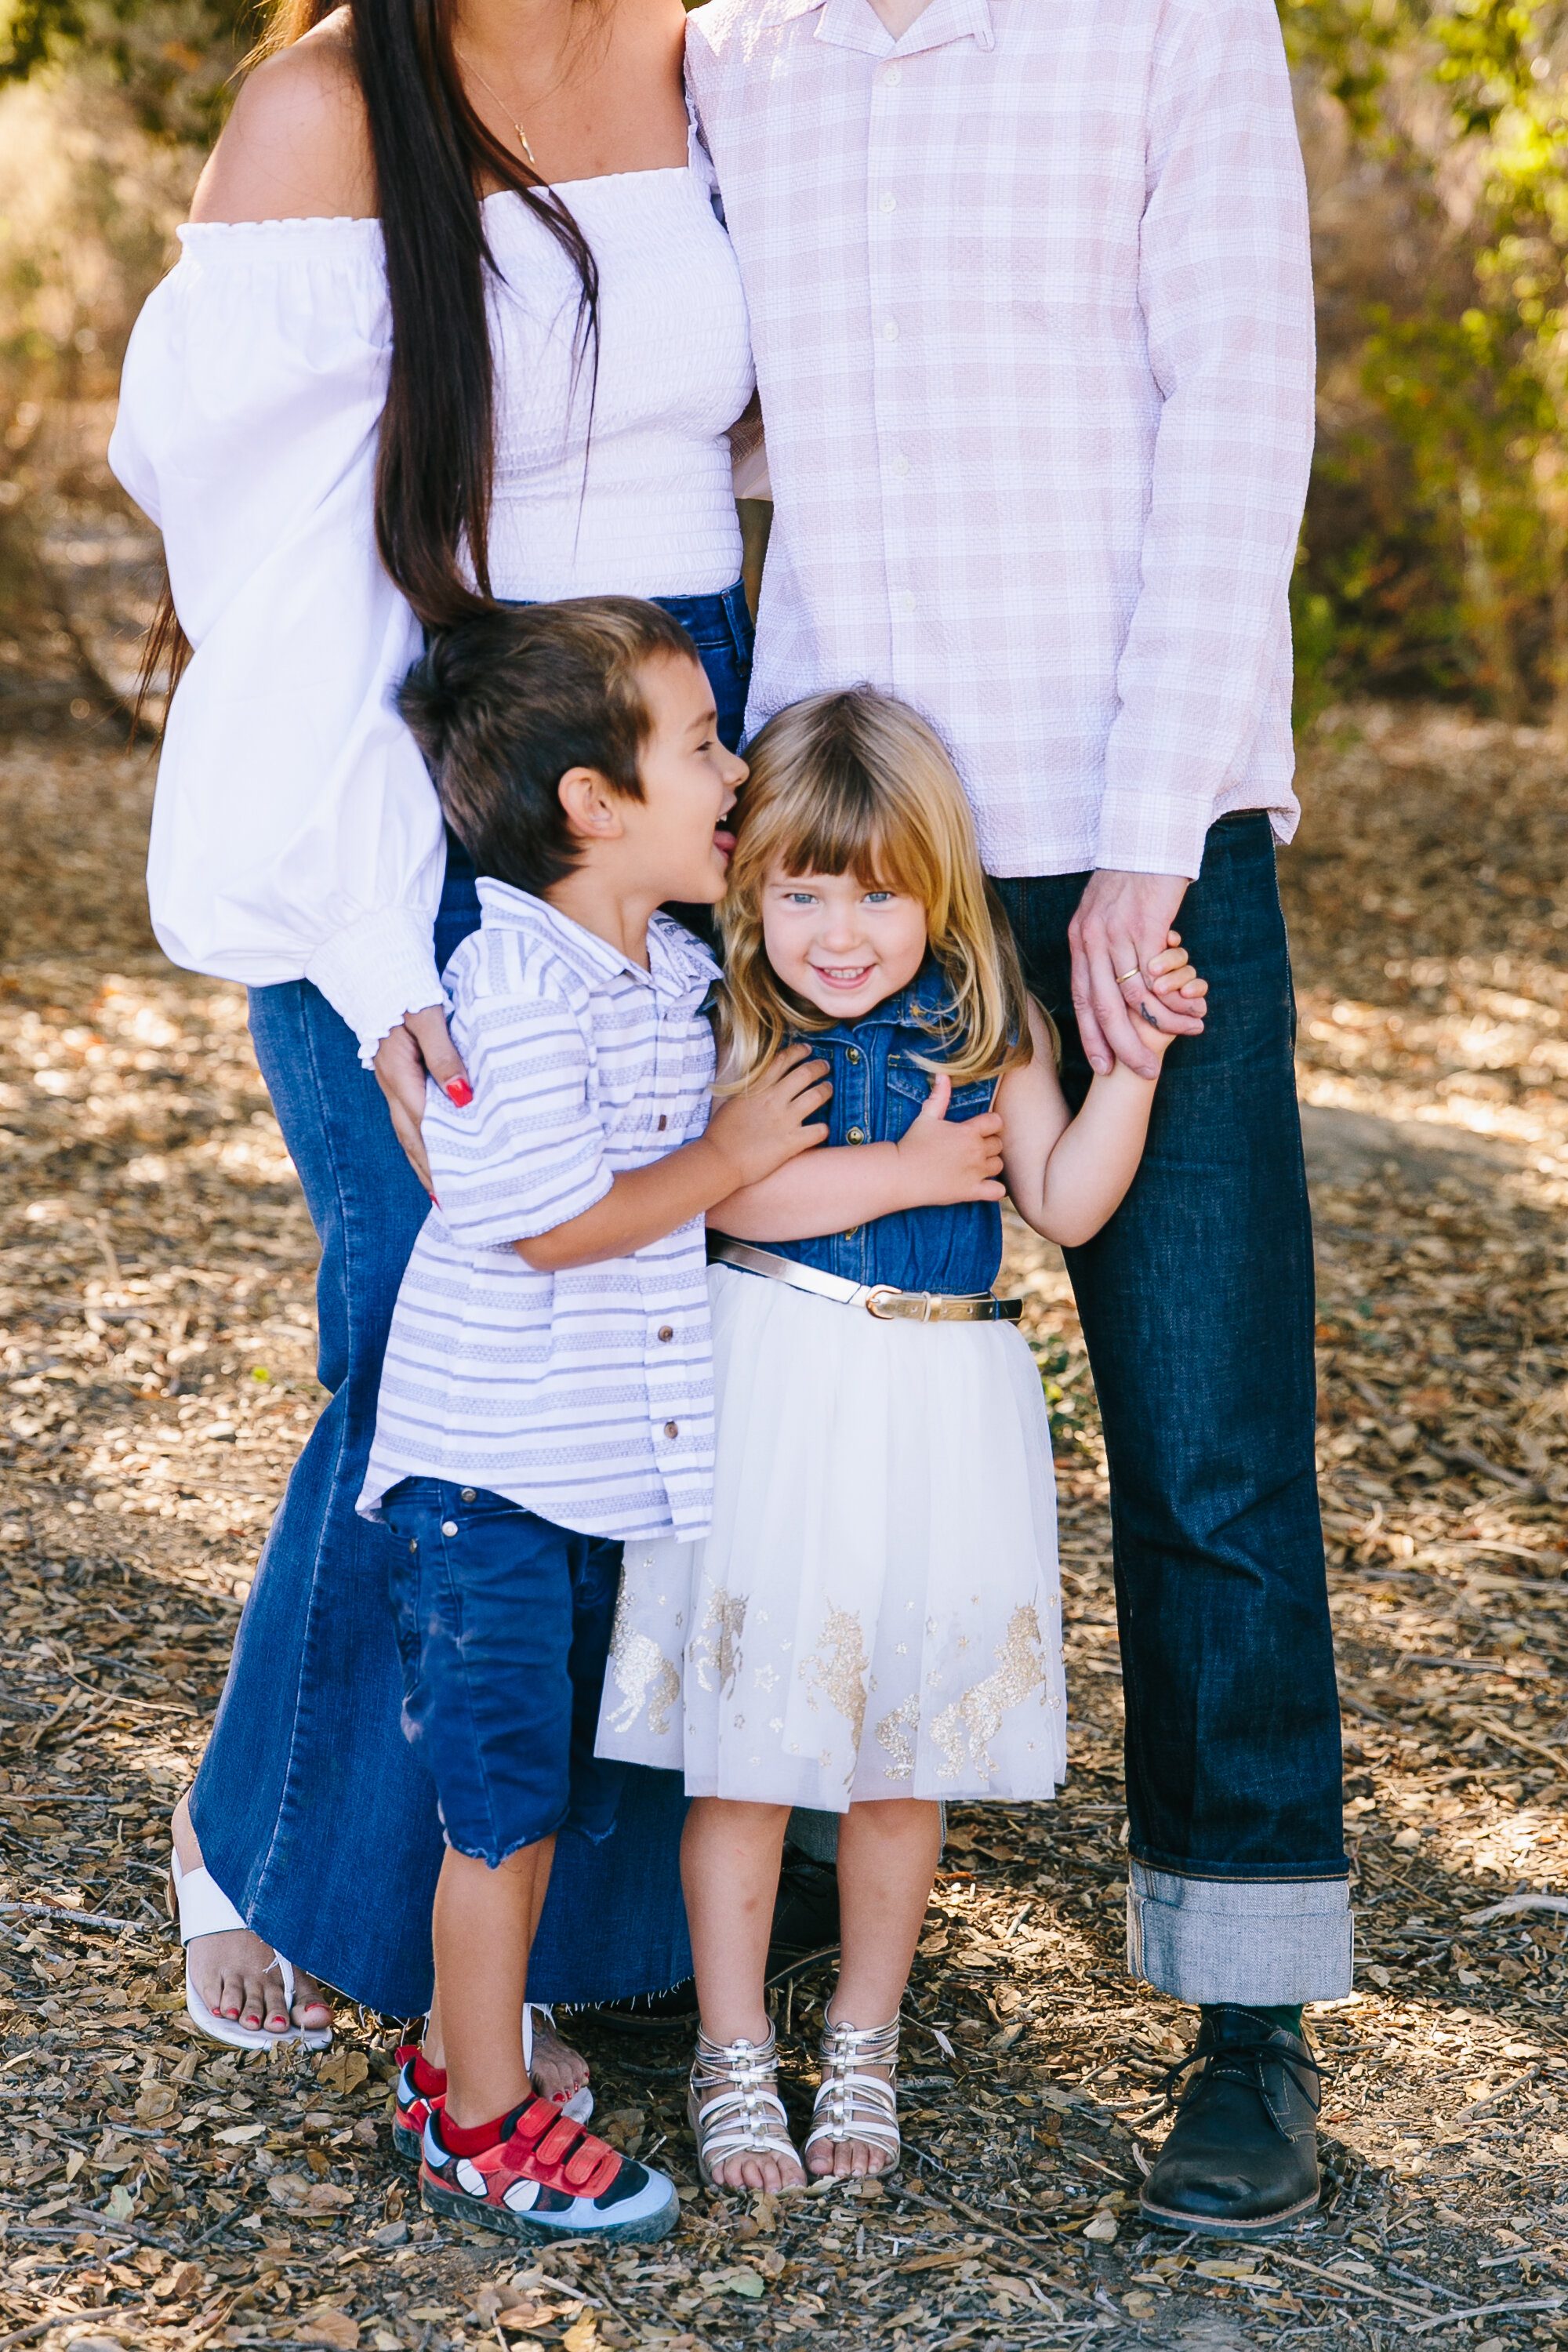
<point>845,832</point>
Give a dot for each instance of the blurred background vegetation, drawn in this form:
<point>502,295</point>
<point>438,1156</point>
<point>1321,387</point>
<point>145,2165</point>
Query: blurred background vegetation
<point>1435,556</point>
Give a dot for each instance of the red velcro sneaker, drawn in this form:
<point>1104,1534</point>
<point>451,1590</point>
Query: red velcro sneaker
<point>546,2177</point>
<point>411,2106</point>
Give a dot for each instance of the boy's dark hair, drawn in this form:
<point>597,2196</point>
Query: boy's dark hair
<point>504,704</point>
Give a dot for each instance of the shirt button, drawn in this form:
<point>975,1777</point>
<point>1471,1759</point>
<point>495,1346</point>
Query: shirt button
<point>907,601</point>
<point>672,1429</point>
<point>667,1330</point>
<point>892,76</point>
<point>889,202</point>
<point>448,1527</point>
<point>469,1495</point>
<point>857,1135</point>
<point>851,1233</point>
<point>853,1053</point>
<point>900,464</point>
<point>890,331</point>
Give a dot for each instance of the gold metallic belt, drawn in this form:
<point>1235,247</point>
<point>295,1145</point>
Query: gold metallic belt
<point>878,1299</point>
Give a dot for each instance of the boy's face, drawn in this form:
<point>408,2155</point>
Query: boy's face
<point>689,781</point>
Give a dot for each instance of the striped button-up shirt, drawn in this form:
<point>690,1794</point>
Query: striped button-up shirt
<point>586,1396</point>
<point>1031,306</point>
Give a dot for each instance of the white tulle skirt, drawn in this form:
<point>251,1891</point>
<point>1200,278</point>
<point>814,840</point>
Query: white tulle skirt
<point>877,1612</point>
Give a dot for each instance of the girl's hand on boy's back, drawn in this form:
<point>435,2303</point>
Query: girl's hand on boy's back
<point>947,1161</point>
<point>765,1126</point>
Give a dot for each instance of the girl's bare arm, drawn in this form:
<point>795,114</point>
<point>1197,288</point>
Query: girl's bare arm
<point>1068,1176</point>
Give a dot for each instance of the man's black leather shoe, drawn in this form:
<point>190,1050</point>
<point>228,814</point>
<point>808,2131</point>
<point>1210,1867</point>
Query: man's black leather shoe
<point>1242,2156</point>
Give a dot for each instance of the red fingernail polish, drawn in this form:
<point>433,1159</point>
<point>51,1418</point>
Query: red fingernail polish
<point>458,1091</point>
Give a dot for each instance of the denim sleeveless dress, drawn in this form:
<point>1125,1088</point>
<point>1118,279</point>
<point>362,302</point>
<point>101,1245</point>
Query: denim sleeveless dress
<point>879,1091</point>
<point>876,1612</point>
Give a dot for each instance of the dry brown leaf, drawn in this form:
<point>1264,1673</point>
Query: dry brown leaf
<point>334,2327</point>
<point>342,2070</point>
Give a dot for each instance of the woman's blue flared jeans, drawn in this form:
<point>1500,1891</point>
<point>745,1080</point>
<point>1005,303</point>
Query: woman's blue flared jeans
<point>315,1817</point>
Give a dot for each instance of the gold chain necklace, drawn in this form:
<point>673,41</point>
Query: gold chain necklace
<point>521,133</point>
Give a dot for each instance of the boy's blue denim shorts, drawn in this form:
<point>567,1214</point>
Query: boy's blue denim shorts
<point>503,1624</point>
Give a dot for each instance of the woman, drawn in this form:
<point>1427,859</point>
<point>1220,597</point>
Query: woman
<point>454,321</point>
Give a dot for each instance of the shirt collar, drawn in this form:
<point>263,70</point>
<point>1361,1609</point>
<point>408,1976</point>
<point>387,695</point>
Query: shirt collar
<point>855,25</point>
<point>679,966</point>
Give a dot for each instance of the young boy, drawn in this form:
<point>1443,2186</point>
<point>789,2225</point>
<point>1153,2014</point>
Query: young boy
<point>547,1390</point>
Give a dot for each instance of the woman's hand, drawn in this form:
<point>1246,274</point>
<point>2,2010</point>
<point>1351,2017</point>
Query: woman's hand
<point>949,1161</point>
<point>419,1047</point>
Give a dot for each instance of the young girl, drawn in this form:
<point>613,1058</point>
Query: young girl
<point>873,1622</point>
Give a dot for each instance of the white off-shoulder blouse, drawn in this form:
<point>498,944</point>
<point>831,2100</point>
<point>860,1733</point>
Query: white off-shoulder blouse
<point>295,831</point>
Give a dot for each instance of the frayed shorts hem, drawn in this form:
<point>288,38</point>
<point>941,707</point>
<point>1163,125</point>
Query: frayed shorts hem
<point>493,1857</point>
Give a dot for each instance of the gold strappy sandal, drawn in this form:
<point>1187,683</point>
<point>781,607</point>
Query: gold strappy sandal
<point>853,2104</point>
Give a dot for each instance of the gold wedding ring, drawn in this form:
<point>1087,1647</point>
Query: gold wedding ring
<point>1123,977</point>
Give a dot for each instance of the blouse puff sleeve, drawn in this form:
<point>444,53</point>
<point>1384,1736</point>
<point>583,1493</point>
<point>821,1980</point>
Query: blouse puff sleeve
<point>296,834</point>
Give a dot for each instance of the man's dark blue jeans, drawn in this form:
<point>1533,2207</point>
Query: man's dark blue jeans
<point>1197,1308</point>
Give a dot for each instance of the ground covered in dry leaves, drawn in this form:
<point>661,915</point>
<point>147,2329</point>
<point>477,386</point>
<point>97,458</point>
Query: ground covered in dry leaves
<point>156,1270</point>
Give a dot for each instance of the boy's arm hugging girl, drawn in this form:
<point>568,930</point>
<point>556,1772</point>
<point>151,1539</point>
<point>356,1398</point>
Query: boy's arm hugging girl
<point>783,1523</point>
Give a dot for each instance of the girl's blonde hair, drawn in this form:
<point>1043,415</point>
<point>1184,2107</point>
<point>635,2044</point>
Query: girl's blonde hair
<point>855,783</point>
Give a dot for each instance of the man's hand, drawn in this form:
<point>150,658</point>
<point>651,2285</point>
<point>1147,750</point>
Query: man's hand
<point>420,1048</point>
<point>761,1130</point>
<point>1124,921</point>
<point>952,1159</point>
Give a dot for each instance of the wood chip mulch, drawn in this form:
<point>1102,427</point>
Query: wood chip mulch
<point>156,1348</point>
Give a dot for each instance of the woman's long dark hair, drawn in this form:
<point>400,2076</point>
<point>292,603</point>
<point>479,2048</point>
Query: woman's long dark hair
<point>431,152</point>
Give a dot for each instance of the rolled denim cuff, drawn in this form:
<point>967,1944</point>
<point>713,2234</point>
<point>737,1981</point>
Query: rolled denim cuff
<point>1250,1940</point>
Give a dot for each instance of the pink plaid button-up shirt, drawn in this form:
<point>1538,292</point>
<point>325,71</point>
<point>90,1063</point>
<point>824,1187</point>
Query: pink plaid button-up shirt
<point>1031,304</point>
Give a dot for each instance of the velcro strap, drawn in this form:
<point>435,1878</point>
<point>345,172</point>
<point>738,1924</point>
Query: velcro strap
<point>585,2173</point>
<point>559,2154</point>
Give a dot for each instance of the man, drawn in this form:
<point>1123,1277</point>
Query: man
<point>1030,297</point>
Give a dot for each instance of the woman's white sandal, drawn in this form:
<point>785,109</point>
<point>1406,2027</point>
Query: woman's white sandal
<point>734,2103</point>
<point>852,2105</point>
<point>580,2105</point>
<point>205,1909</point>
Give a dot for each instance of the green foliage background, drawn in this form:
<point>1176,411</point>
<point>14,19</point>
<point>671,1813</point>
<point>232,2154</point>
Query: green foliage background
<point>1436,542</point>
<point>1434,558</point>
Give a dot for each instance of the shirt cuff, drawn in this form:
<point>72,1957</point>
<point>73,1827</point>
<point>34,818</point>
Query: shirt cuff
<point>379,969</point>
<point>1142,833</point>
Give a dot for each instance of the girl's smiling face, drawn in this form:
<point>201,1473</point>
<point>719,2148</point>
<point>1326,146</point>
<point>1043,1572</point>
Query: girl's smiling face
<point>838,943</point>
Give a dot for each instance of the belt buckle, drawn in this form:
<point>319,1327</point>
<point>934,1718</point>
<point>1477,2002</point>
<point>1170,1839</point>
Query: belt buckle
<point>876,1294</point>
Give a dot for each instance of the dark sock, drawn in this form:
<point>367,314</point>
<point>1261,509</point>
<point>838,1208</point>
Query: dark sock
<point>431,2080</point>
<point>1286,2016</point>
<point>476,2139</point>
